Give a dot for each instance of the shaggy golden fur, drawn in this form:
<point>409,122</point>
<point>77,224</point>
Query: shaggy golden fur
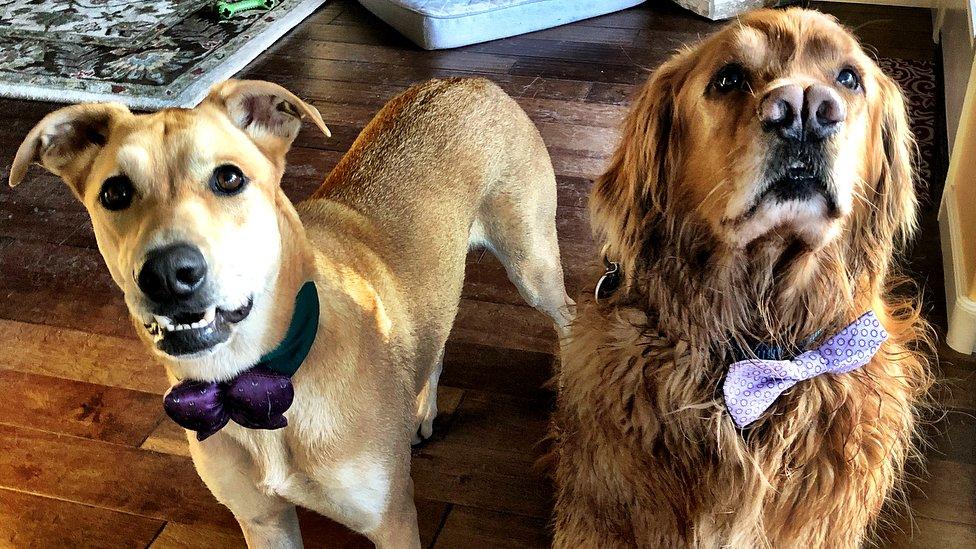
<point>646,453</point>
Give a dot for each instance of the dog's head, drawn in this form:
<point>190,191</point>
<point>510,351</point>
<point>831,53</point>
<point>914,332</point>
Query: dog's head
<point>184,202</point>
<point>779,124</point>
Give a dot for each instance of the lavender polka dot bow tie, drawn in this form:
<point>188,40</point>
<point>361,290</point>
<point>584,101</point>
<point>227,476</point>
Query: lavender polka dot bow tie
<point>258,397</point>
<point>752,385</point>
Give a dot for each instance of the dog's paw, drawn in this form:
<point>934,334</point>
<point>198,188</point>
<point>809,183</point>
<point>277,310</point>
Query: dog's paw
<point>423,432</point>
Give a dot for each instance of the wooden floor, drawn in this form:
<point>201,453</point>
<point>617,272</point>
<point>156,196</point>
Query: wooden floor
<point>86,457</point>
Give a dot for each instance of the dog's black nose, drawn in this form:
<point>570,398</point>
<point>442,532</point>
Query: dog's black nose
<point>799,114</point>
<point>172,273</point>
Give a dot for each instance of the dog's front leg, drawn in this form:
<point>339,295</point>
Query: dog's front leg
<point>267,520</point>
<point>398,527</point>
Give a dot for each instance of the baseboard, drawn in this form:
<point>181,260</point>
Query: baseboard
<point>961,309</point>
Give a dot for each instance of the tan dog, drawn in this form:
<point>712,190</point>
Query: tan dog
<point>762,183</point>
<point>210,254</point>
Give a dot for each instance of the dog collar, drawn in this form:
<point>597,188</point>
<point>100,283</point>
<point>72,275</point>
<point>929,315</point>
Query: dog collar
<point>770,351</point>
<point>258,397</point>
<point>752,385</point>
<point>291,352</point>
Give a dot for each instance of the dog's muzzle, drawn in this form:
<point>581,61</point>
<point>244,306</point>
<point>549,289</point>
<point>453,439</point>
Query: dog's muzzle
<point>185,318</point>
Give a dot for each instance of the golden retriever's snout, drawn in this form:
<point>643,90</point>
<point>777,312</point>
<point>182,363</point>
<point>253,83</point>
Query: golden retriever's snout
<point>800,115</point>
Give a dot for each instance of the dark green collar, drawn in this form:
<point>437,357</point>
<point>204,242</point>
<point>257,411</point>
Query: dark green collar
<point>291,352</point>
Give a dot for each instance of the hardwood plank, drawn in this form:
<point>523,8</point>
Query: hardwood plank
<point>470,527</point>
<point>29,520</point>
<point>638,17</point>
<point>354,34</point>
<point>120,416</point>
<point>592,141</point>
<point>61,286</point>
<point>42,208</point>
<point>954,436</point>
<point>176,535</point>
<point>890,31</point>
<point>167,438</point>
<point>592,35</point>
<point>573,165</point>
<point>464,60</point>
<point>502,371</point>
<point>487,458</point>
<point>613,94</point>
<point>318,87</point>
<point>596,72</point>
<point>926,533</point>
<point>504,326</point>
<point>108,476</point>
<point>648,55</point>
<point>317,531</point>
<point>79,355</point>
<point>572,112</point>
<point>509,425</point>
<point>959,380</point>
<point>946,492</point>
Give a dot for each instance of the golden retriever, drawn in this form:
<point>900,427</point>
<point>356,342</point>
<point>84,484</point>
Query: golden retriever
<point>762,185</point>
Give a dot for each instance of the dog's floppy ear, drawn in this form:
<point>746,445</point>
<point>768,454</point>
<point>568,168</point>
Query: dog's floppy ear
<point>896,199</point>
<point>268,113</point>
<point>67,141</point>
<point>635,185</point>
<point>889,205</point>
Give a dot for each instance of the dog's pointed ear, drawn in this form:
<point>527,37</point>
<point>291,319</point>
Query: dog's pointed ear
<point>67,141</point>
<point>268,113</point>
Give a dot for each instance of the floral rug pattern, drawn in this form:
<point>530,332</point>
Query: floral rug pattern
<point>918,82</point>
<point>173,68</point>
<point>122,23</point>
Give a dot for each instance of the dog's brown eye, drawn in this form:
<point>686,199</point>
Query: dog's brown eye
<point>849,79</point>
<point>730,77</point>
<point>228,180</point>
<point>116,193</point>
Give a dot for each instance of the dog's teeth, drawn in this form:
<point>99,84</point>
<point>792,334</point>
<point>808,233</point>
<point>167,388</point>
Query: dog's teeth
<point>209,316</point>
<point>162,321</point>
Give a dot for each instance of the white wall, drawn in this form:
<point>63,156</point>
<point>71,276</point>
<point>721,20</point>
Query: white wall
<point>956,31</point>
<point>954,24</point>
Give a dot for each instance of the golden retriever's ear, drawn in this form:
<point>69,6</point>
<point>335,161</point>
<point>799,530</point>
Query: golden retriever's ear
<point>67,141</point>
<point>634,185</point>
<point>895,191</point>
<point>268,113</point>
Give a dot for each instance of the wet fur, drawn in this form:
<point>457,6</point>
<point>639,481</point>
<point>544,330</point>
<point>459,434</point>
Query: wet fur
<point>645,452</point>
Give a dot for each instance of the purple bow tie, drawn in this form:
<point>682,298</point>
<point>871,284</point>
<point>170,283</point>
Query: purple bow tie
<point>256,399</point>
<point>752,385</point>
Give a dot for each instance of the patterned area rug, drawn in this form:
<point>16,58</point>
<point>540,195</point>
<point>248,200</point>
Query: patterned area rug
<point>148,54</point>
<point>918,82</point>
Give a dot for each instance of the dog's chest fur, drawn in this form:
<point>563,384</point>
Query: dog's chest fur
<point>641,423</point>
